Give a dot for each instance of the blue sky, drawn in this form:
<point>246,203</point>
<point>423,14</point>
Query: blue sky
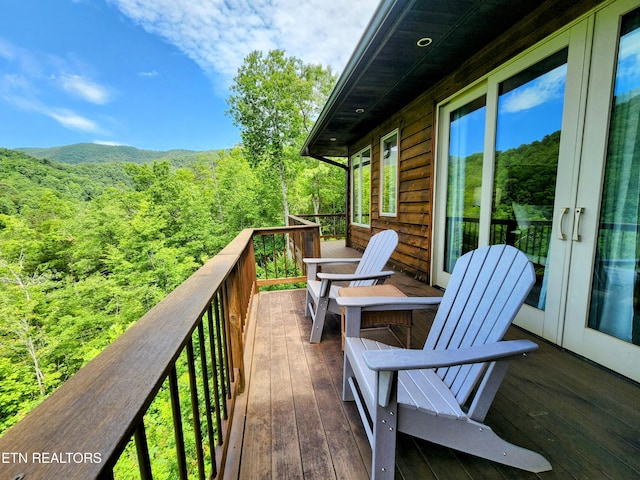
<point>152,74</point>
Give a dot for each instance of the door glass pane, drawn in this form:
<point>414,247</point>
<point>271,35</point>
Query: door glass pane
<point>616,283</point>
<point>466,140</point>
<point>527,145</point>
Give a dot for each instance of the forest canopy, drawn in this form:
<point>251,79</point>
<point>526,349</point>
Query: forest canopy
<point>87,249</point>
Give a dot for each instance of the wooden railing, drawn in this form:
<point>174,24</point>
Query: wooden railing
<point>280,250</point>
<point>186,352</point>
<point>332,225</point>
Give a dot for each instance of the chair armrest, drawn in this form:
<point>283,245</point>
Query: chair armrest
<point>388,303</point>
<point>402,359</point>
<point>314,263</point>
<point>348,277</point>
<point>327,261</point>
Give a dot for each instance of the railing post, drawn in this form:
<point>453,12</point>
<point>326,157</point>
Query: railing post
<point>235,325</point>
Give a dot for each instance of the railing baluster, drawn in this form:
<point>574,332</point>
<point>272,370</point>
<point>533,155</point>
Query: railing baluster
<point>286,260</point>
<point>177,423</point>
<point>226,357</point>
<point>264,255</point>
<point>220,341</point>
<point>214,374</point>
<point>275,256</point>
<point>195,408</point>
<point>142,450</point>
<point>207,395</point>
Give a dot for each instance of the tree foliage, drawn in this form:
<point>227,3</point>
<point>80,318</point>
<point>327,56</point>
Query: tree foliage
<point>275,99</point>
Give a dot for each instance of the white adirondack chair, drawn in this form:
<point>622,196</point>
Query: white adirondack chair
<point>321,294</point>
<point>443,392</point>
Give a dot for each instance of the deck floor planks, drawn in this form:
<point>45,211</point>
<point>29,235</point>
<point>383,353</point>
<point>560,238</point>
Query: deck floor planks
<point>341,443</point>
<point>314,450</point>
<point>256,445</point>
<point>286,458</point>
<point>582,417</point>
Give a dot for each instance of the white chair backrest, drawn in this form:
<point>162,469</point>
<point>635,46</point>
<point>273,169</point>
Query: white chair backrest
<point>486,290</point>
<point>376,255</point>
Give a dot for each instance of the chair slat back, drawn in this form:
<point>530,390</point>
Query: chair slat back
<point>375,256</point>
<point>486,290</point>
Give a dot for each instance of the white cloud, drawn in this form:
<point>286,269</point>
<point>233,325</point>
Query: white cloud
<point>152,73</point>
<point>7,50</point>
<point>84,88</point>
<point>36,78</point>
<point>547,87</point>
<point>219,34</point>
<point>73,121</point>
<point>108,143</point>
<point>17,90</point>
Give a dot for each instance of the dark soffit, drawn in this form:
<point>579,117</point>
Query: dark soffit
<point>388,70</point>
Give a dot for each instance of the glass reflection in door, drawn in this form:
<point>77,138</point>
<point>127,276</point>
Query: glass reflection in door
<point>526,163</point>
<point>616,284</point>
<point>466,146</point>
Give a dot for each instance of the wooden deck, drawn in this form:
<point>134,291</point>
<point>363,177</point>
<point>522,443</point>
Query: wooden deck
<point>291,422</point>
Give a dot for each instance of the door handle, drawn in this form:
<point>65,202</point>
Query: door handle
<point>576,223</point>
<point>561,215</point>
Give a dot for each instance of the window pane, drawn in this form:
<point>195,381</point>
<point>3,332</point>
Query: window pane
<point>361,185</point>
<point>389,178</point>
<point>466,140</point>
<point>355,195</point>
<point>366,188</point>
<point>527,146</point>
<point>616,283</point>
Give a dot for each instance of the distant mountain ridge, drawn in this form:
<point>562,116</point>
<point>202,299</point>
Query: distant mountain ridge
<point>97,153</point>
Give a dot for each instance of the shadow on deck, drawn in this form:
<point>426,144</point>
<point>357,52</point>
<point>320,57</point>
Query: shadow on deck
<point>584,419</point>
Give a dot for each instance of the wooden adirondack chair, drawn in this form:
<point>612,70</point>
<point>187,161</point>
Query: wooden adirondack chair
<point>443,392</point>
<point>321,294</point>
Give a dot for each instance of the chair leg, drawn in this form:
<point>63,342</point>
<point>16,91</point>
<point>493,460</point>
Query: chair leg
<point>383,465</point>
<point>318,319</point>
<point>347,372</point>
<point>307,304</point>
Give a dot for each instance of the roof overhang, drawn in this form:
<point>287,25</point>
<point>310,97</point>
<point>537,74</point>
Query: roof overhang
<point>388,69</point>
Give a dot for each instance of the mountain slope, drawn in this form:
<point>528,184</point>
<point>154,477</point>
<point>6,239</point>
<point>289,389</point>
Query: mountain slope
<point>96,153</point>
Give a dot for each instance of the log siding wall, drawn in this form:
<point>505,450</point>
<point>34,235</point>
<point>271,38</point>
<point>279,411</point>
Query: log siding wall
<point>416,132</point>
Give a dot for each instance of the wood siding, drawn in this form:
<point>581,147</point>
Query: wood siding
<point>415,123</point>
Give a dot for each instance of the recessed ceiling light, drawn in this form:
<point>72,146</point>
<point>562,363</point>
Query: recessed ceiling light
<point>333,139</point>
<point>359,110</point>
<point>424,42</point>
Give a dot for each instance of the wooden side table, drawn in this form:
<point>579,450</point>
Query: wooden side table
<point>374,319</point>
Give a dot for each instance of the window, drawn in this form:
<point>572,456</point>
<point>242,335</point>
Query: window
<point>361,187</point>
<point>389,174</point>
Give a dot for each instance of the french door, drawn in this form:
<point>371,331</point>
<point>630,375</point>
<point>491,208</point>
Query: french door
<point>542,155</point>
<point>603,294</point>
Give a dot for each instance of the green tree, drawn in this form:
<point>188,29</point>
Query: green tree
<point>275,100</point>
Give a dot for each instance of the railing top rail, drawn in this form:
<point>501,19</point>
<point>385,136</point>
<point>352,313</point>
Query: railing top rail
<point>276,230</point>
<point>303,216</point>
<point>300,219</point>
<point>99,407</point>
